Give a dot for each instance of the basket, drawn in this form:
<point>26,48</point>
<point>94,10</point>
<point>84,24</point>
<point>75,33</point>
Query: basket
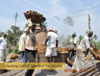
<point>35,16</point>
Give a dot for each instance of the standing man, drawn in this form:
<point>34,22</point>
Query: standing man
<point>73,40</point>
<point>52,44</point>
<point>82,51</point>
<point>30,43</point>
<point>3,49</point>
<point>22,46</point>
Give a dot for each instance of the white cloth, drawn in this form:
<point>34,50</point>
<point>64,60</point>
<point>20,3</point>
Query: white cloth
<point>85,44</point>
<point>30,40</point>
<point>79,63</point>
<point>52,41</point>
<point>74,40</point>
<point>51,52</point>
<point>4,54</point>
<point>31,23</point>
<point>22,42</point>
<point>89,31</point>
<point>3,43</point>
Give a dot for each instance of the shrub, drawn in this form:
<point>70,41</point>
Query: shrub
<point>16,50</point>
<point>10,50</point>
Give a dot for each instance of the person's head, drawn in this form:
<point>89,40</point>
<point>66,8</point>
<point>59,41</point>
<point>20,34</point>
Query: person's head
<point>50,29</point>
<point>54,30</point>
<point>5,35</point>
<point>33,26</point>
<point>74,35</point>
<point>89,33</point>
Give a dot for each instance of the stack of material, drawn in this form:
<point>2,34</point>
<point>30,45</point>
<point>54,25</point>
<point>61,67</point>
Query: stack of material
<point>69,61</point>
<point>62,50</point>
<point>97,51</point>
<point>13,56</point>
<point>41,48</point>
<point>35,16</point>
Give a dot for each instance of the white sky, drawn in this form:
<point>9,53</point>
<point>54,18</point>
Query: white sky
<point>78,10</point>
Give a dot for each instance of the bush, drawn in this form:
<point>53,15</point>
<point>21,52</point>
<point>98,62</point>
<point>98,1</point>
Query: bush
<point>10,50</point>
<point>16,50</point>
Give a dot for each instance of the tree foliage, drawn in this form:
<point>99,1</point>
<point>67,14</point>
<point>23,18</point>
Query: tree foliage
<point>11,34</point>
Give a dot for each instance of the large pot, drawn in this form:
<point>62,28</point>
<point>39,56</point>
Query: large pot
<point>61,57</point>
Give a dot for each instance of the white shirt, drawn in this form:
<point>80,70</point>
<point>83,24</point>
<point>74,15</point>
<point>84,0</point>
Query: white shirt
<point>85,44</point>
<point>3,43</point>
<point>52,40</point>
<point>74,40</point>
<point>22,42</point>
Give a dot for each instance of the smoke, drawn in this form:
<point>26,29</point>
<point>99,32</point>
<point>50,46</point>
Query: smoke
<point>64,40</point>
<point>68,20</point>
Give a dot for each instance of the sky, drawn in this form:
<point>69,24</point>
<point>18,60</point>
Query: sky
<point>55,11</point>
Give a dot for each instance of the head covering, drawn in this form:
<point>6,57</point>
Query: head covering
<point>89,31</point>
<point>74,34</point>
<point>50,29</point>
<point>54,29</point>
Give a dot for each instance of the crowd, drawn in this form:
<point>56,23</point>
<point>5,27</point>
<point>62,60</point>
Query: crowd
<point>27,46</point>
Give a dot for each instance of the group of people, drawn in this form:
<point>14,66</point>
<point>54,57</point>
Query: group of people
<point>81,50</point>
<point>27,46</point>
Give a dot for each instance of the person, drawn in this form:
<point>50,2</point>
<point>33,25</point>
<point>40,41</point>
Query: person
<point>52,44</point>
<point>82,51</point>
<point>30,43</point>
<point>73,40</point>
<point>3,49</point>
<point>22,46</point>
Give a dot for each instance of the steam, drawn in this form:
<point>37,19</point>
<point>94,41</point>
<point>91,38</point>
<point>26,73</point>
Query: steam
<point>68,20</point>
<point>64,40</point>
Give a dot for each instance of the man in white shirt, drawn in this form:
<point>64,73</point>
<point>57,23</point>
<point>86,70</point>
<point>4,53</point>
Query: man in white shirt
<point>52,44</point>
<point>22,46</point>
<point>30,43</point>
<point>3,49</point>
<point>82,51</point>
<point>74,41</point>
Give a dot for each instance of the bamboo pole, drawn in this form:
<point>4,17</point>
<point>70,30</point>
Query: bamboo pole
<point>90,28</point>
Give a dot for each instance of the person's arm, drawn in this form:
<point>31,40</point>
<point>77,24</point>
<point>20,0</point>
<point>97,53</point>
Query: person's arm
<point>29,26</point>
<point>67,43</point>
<point>56,43</point>
<point>38,31</point>
<point>47,40</point>
<point>88,48</point>
<point>36,42</point>
<point>93,53</point>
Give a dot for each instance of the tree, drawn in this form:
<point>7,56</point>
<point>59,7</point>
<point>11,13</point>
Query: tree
<point>1,34</point>
<point>95,37</point>
<point>11,34</point>
<point>80,38</point>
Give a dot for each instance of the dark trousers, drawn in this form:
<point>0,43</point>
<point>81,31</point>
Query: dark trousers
<point>23,56</point>
<point>31,57</point>
<point>72,55</point>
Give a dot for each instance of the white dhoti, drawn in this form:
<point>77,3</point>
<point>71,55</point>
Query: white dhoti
<point>79,63</point>
<point>4,54</point>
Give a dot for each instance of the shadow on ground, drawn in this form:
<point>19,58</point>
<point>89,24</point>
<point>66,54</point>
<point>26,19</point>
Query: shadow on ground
<point>46,72</point>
